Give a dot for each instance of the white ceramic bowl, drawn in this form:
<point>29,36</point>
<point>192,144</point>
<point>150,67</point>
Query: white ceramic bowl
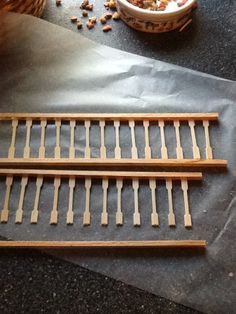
<point>154,21</point>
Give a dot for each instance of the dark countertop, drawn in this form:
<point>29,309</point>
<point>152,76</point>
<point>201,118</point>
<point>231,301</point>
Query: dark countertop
<point>33,282</point>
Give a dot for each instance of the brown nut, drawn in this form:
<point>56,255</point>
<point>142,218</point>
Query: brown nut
<point>107,15</point>
<point>89,7</point>
<point>116,16</point>
<point>107,28</point>
<point>83,4</point>
<point>84,13</point>
<point>58,3</point>
<point>93,19</point>
<point>73,19</point>
<point>90,25</point>
<point>79,25</point>
<point>103,20</point>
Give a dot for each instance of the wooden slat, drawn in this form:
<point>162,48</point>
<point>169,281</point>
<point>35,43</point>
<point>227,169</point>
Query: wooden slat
<point>134,151</point>
<point>164,153</point>
<point>35,211</point>
<point>196,150</point>
<point>208,149</point>
<point>54,212</point>
<point>119,214</point>
<point>57,151</point>
<point>179,149</point>
<point>87,152</point>
<point>42,139</point>
<point>171,215</point>
<point>102,174</point>
<point>117,132</point>
<point>5,210</point>
<point>187,216</point>
<point>87,216</point>
<point>27,141</point>
<point>104,216</point>
<point>70,213</point>
<point>136,215</point>
<point>72,140</point>
<point>19,212</point>
<point>154,214</point>
<point>11,151</point>
<point>104,244</point>
<point>103,147</point>
<point>111,116</point>
<point>147,149</point>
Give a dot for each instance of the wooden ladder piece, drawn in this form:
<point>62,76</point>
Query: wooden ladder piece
<point>35,212</point>
<point>187,216</point>
<point>196,151</point>
<point>57,151</point>
<point>72,139</point>
<point>164,153</point>
<point>5,210</point>
<point>70,213</point>
<point>19,212</point>
<point>136,215</point>
<point>54,212</point>
<point>119,214</point>
<point>154,215</point>
<point>171,215</point>
<point>87,216</point>
<point>87,125</point>
<point>117,148</point>
<point>147,141</point>
<point>104,217</point>
<point>11,152</point>
<point>103,147</point>
<point>179,149</point>
<point>134,151</point>
<point>209,154</point>
<point>43,125</point>
<point>27,141</point>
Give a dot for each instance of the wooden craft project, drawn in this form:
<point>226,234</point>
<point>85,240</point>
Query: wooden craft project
<point>152,179</point>
<point>201,156</point>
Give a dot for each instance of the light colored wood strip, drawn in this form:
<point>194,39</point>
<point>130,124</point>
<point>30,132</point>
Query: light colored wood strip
<point>209,154</point>
<point>11,152</point>
<point>103,147</point>
<point>70,213</point>
<point>72,139</point>
<point>101,174</point>
<point>136,216</point>
<point>134,152</point>
<point>19,212</point>
<point>57,151</point>
<point>5,210</point>
<point>164,153</point>
<point>147,142</point>
<point>154,215</point>
<point>179,149</point>
<point>27,141</point>
<point>196,151</point>
<point>54,212</point>
<point>104,244</point>
<point>65,162</point>
<point>35,211</point>
<point>111,116</point>
<point>42,151</point>
<point>104,217</point>
<point>117,132</point>
<point>187,216</point>
<point>87,216</point>
<point>171,215</point>
<point>87,125</point>
<point>119,214</point>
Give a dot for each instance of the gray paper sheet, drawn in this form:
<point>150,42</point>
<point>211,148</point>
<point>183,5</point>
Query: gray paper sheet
<point>45,68</point>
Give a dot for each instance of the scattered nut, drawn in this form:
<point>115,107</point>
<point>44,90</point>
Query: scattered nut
<point>93,19</point>
<point>90,25</point>
<point>84,13</point>
<point>102,19</point>
<point>83,4</point>
<point>89,7</point>
<point>112,4</point>
<point>107,28</point>
<point>79,25</point>
<point>73,19</point>
<point>116,16</point>
<point>58,3</point>
<point>107,15</point>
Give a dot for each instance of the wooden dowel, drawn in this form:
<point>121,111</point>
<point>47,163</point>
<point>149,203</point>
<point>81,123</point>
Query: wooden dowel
<point>179,149</point>
<point>171,215</point>
<point>19,212</point>
<point>11,152</point>
<point>119,214</point>
<point>209,154</point>
<point>147,142</point>
<point>154,215</point>
<point>87,216</point>
<point>136,216</point>
<point>54,212</point>
<point>27,141</point>
<point>57,153</point>
<point>103,147</point>
<point>187,216</point>
<point>196,151</point>
<point>111,116</point>
<point>70,213</point>
<point>104,217</point>
<point>103,244</point>
<point>35,212</point>
<point>164,153</point>
<point>72,139</point>
<point>134,152</point>
<point>5,210</point>
<point>87,145</point>
<point>43,125</point>
<point>101,174</point>
<point>117,132</point>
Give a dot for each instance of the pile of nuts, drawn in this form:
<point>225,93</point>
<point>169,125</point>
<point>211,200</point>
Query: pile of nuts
<point>156,5</point>
<point>91,22</point>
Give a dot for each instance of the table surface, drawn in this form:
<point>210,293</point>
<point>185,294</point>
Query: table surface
<point>207,45</point>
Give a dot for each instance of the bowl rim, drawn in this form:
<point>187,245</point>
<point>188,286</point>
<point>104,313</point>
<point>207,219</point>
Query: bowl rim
<point>155,13</point>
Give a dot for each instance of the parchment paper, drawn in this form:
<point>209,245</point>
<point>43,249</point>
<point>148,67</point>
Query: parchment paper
<point>45,68</point>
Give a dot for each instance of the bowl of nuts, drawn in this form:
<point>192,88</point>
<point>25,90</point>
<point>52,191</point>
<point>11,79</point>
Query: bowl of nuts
<point>155,16</point>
